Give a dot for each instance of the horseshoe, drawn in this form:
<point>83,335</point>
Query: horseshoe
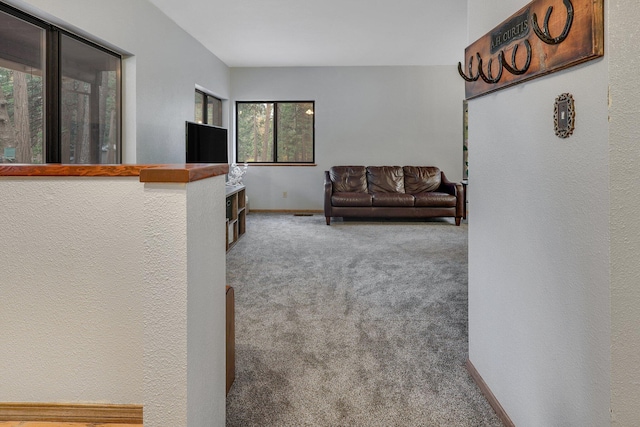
<point>512,68</point>
<point>544,35</point>
<point>464,76</point>
<point>488,78</point>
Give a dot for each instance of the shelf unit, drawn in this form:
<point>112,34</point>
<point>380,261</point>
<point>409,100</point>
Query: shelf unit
<point>236,214</point>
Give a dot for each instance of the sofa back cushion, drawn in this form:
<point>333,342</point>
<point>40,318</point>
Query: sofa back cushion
<point>348,179</point>
<point>420,179</point>
<point>385,179</point>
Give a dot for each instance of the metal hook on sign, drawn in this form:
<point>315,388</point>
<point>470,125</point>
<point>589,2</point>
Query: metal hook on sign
<point>545,35</point>
<point>464,76</point>
<point>512,68</point>
<point>488,78</point>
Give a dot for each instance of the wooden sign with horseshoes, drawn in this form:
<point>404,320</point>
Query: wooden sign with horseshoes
<point>543,37</point>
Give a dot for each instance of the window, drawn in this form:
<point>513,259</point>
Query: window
<point>59,95</point>
<point>208,109</point>
<point>22,65</point>
<point>275,132</point>
<point>89,99</point>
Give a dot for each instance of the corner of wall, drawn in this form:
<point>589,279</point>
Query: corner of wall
<point>129,123</point>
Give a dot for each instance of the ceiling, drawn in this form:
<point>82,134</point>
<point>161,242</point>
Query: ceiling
<point>285,33</point>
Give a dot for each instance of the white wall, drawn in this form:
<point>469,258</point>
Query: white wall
<point>121,301</point>
<point>539,260</point>
<point>166,62</point>
<point>71,290</point>
<point>624,134</point>
<point>206,303</point>
<point>184,304</point>
<point>364,116</point>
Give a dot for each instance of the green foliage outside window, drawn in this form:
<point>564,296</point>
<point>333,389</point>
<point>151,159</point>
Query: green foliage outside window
<point>275,132</point>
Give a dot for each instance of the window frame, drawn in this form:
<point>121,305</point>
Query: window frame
<point>205,108</point>
<point>53,82</point>
<point>275,162</point>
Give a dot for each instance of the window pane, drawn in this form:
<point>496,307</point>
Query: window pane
<point>199,116</point>
<point>21,91</point>
<point>295,131</point>
<point>255,132</point>
<point>90,103</point>
<point>214,111</point>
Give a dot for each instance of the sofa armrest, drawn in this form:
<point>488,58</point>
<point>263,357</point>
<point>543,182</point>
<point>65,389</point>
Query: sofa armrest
<point>328,191</point>
<point>455,189</point>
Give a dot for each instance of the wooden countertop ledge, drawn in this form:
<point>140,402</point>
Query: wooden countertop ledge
<point>186,172</point>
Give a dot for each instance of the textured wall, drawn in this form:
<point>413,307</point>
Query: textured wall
<point>184,323</point>
<point>539,263</point>
<point>364,116</point>
<point>71,286</point>
<point>624,134</point>
<point>206,303</point>
<point>165,307</point>
<point>114,291</point>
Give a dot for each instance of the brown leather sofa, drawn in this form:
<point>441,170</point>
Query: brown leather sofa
<point>391,191</point>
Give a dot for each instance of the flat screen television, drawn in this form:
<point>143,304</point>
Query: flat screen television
<point>206,143</point>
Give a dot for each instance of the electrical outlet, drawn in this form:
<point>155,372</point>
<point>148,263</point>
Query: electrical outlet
<point>284,194</point>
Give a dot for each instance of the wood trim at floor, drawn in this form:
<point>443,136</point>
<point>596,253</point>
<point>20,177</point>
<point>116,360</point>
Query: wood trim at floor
<point>488,394</point>
<point>71,412</point>
<point>59,424</point>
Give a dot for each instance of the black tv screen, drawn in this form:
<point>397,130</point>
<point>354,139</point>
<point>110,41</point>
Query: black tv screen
<point>206,143</point>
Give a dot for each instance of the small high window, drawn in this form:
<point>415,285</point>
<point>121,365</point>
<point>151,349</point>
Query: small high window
<point>208,109</point>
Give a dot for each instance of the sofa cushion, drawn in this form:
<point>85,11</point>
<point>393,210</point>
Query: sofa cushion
<point>434,199</point>
<point>385,179</point>
<point>419,179</point>
<point>393,199</point>
<point>351,199</point>
<point>348,179</point>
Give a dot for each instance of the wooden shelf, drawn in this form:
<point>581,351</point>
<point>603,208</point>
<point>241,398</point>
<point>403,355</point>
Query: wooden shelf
<point>236,214</point>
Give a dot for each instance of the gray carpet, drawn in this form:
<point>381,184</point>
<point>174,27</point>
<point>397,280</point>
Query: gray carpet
<point>356,324</point>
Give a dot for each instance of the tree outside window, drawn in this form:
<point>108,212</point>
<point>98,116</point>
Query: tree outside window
<point>60,95</point>
<point>22,65</point>
<point>89,103</point>
<point>275,132</point>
